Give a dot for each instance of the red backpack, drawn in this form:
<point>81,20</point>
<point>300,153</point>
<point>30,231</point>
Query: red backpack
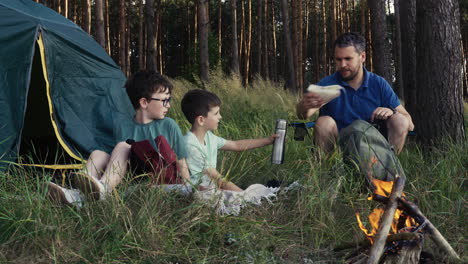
<point>161,165</point>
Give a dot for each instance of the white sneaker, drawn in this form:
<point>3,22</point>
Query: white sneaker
<point>66,196</point>
<point>89,185</point>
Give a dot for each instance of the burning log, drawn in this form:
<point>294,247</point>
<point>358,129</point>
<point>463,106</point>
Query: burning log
<point>401,248</point>
<point>413,210</point>
<point>409,252</point>
<point>386,221</point>
<point>404,218</point>
<point>366,243</point>
<point>435,235</point>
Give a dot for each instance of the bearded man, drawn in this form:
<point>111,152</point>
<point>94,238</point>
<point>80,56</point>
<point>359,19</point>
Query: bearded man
<point>366,96</point>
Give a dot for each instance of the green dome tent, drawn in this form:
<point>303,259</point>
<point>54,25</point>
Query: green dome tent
<point>56,83</point>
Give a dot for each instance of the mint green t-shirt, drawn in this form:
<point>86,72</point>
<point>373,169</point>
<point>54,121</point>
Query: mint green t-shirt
<point>129,129</point>
<point>202,156</point>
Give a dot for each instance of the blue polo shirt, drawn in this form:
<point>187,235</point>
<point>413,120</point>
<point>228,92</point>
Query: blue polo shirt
<point>358,104</point>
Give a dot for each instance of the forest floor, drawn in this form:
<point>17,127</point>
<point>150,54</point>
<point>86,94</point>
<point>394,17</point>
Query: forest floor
<point>147,225</point>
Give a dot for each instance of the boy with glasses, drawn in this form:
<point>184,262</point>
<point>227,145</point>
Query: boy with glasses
<point>150,95</point>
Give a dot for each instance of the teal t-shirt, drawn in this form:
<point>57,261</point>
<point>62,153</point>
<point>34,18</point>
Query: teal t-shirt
<point>129,129</point>
<point>202,156</point>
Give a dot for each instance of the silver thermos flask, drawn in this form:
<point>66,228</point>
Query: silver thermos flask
<point>277,156</point>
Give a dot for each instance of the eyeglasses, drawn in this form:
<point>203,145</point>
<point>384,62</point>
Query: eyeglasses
<point>164,101</point>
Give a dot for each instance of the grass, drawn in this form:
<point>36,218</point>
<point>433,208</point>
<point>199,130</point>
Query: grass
<point>144,225</point>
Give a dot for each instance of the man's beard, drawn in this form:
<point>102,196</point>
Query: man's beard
<point>351,77</point>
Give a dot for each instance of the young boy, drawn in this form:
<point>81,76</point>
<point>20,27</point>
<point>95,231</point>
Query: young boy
<point>202,110</point>
<point>150,95</point>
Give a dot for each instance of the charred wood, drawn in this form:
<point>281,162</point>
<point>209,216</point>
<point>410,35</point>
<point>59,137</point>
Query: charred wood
<point>385,223</point>
<point>413,210</point>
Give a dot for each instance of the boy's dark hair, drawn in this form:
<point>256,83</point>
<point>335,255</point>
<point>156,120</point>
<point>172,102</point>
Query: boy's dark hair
<point>198,103</point>
<point>351,39</point>
<point>143,84</point>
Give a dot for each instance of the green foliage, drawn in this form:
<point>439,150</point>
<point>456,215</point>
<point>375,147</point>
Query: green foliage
<point>140,224</point>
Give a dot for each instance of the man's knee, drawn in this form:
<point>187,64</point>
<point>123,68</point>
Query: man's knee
<point>398,124</point>
<point>326,125</point>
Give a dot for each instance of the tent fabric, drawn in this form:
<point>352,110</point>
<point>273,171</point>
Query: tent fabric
<point>84,85</point>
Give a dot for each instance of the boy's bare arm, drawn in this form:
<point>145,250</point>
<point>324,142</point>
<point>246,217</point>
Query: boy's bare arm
<point>246,144</point>
<point>221,183</point>
<point>183,169</point>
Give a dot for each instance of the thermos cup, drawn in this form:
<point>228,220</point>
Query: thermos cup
<point>277,156</point>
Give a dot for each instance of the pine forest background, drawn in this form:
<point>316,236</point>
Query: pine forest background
<point>419,46</point>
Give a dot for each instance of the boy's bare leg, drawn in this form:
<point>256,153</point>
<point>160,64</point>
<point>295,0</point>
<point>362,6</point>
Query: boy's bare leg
<point>117,166</point>
<point>397,127</point>
<point>325,133</point>
<point>96,163</point>
<point>221,183</point>
<point>228,186</point>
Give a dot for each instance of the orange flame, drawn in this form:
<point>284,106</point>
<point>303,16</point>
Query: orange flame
<point>383,188</point>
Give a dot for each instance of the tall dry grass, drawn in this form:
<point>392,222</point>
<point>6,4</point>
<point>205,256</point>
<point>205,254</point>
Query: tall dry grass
<point>139,224</point>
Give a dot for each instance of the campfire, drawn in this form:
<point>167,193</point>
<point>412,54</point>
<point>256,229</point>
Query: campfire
<point>402,223</point>
<point>397,232</point>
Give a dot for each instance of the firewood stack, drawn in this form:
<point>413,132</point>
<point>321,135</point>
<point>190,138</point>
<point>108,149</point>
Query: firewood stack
<point>404,247</point>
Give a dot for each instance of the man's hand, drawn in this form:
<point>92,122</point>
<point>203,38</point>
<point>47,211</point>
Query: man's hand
<point>381,113</point>
<point>311,100</point>
<point>308,105</point>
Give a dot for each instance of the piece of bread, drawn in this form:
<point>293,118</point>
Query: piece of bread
<point>327,93</point>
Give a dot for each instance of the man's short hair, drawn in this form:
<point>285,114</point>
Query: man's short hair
<point>144,84</point>
<point>351,39</point>
<point>198,103</point>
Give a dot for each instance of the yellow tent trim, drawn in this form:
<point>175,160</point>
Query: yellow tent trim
<point>51,112</point>
<point>57,166</point>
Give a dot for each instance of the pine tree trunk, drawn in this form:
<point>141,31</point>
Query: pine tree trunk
<point>289,53</point>
<point>107,28</point>
<point>248,45</point>
<point>363,17</point>
<point>203,24</point>
<point>273,71</point>
<point>398,86</point>
<point>159,35</point>
<point>220,25</point>
<point>295,38</point>
<point>259,31</point>
<point>300,57</point>
<point>408,53</point>
<point>369,48</point>
<point>100,37</point>
<point>324,62</point>
<point>59,7</point>
<point>65,8</point>
<point>316,41</point>
<point>141,38</point>
<point>265,55</point>
<point>306,37</point>
<point>87,25</point>
<point>242,40</point>
<point>438,58</point>
<point>128,69</point>
<point>333,16</point>
<point>380,45</point>
<point>234,45</point>
<point>75,14</point>
<point>151,59</point>
<point>122,37</point>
